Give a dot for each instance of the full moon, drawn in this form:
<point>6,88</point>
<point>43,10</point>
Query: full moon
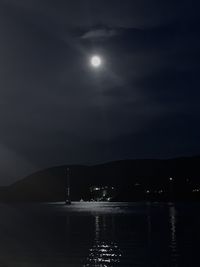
<point>95,61</point>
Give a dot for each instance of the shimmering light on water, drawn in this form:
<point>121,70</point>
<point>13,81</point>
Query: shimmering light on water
<point>173,244</point>
<point>100,235</point>
<point>103,253</point>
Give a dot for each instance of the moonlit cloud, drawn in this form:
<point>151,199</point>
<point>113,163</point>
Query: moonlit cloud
<point>99,34</point>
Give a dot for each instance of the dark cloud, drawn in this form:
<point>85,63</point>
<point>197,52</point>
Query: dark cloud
<point>56,109</point>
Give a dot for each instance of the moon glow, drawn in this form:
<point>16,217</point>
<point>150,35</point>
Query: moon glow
<point>95,61</point>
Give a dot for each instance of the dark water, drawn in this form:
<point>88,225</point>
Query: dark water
<point>100,234</point>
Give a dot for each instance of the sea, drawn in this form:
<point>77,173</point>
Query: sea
<point>100,234</point>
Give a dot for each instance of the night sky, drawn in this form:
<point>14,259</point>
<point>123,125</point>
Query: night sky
<point>55,108</point>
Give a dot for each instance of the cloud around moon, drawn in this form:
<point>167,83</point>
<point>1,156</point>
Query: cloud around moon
<point>99,34</point>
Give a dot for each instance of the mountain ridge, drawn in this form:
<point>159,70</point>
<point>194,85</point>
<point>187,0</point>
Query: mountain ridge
<point>49,184</point>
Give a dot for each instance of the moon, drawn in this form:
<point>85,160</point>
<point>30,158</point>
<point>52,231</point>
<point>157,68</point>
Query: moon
<point>95,61</point>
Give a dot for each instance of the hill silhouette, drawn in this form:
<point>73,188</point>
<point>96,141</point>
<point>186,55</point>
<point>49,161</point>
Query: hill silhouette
<point>131,178</point>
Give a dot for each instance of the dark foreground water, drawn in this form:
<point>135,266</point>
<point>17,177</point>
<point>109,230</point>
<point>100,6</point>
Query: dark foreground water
<point>100,234</point>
